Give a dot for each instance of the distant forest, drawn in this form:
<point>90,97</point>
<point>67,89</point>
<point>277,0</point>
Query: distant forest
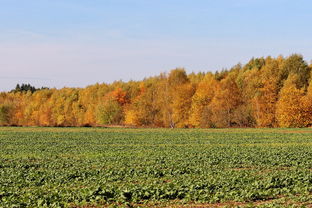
<point>265,92</point>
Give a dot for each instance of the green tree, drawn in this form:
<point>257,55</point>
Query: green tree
<point>110,112</point>
<point>4,114</point>
<point>295,64</point>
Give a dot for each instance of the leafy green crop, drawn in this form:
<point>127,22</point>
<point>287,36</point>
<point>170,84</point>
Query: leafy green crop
<point>72,167</point>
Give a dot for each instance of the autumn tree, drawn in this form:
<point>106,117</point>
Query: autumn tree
<point>266,96</point>
<point>177,81</point>
<point>295,64</point>
<point>109,112</point>
<point>181,104</point>
<point>255,63</point>
<point>143,110</point>
<point>289,109</point>
<point>226,100</point>
<point>120,96</point>
<point>200,114</point>
<point>88,102</point>
<point>5,114</point>
<point>306,105</point>
<point>265,92</point>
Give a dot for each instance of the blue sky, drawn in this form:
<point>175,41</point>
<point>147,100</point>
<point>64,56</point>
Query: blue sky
<point>76,43</point>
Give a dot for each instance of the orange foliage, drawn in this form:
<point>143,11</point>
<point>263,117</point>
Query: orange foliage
<point>289,107</point>
<point>266,92</point>
<point>120,96</point>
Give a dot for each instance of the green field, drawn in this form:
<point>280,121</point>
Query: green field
<point>99,167</point>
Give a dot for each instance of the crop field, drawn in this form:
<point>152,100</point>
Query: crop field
<point>116,167</point>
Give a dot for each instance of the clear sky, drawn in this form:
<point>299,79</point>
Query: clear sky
<point>75,43</point>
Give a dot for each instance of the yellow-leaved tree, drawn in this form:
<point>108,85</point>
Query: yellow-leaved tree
<point>181,104</point>
<point>226,101</point>
<point>143,109</point>
<point>306,105</point>
<point>200,115</point>
<point>289,111</point>
<point>266,96</point>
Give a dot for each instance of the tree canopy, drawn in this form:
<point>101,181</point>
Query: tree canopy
<point>265,92</point>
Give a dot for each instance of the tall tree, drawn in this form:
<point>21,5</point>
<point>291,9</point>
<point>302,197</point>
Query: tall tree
<point>110,112</point>
<point>289,109</point>
<point>200,115</point>
<point>226,100</point>
<point>5,114</point>
<point>306,104</point>
<point>266,96</point>
<point>143,109</point>
<point>295,64</point>
<point>181,104</point>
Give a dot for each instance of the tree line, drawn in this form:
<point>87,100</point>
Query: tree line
<point>265,92</point>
